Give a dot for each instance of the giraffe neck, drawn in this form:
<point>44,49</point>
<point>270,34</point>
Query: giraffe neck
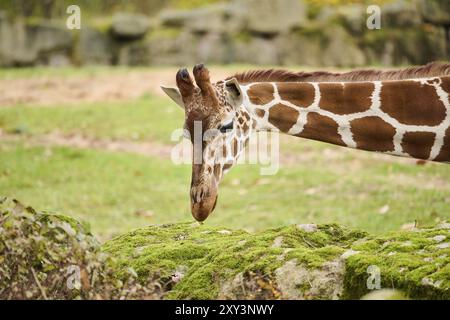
<point>404,117</point>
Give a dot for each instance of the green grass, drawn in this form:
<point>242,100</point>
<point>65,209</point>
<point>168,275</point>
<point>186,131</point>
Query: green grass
<point>106,189</point>
<point>142,119</point>
<point>62,72</point>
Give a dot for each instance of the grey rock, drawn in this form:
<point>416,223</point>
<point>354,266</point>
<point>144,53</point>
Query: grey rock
<point>301,48</point>
<point>46,36</point>
<point>213,48</point>
<point>27,44</point>
<point>272,17</point>
<point>341,49</point>
<point>94,47</point>
<point>171,47</point>
<point>55,59</point>
<point>210,19</point>
<point>257,50</point>
<point>395,46</point>
<point>134,54</point>
<point>175,18</point>
<point>129,26</point>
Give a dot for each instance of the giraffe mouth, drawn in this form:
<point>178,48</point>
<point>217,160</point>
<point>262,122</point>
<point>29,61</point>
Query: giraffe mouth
<point>201,210</point>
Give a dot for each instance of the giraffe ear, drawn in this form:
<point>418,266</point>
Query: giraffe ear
<point>174,94</point>
<point>234,92</point>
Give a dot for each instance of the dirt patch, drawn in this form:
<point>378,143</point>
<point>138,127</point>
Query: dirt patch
<point>152,149</point>
<point>55,90</point>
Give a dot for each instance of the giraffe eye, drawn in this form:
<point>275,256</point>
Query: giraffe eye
<point>226,127</point>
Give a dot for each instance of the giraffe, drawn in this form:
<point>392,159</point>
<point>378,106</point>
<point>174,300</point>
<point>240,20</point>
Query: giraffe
<point>401,112</point>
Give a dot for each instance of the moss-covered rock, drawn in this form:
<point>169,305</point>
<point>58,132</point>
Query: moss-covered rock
<point>55,257</point>
<point>295,262</point>
<point>50,256</point>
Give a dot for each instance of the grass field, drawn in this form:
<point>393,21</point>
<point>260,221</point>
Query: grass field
<point>116,191</point>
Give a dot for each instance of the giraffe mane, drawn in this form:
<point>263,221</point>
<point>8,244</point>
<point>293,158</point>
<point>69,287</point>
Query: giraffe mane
<point>433,69</point>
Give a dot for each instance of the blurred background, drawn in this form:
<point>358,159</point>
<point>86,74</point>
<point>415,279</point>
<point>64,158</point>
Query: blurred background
<point>85,130</point>
<point>330,33</point>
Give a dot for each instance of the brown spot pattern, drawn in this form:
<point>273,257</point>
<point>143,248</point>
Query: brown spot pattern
<point>300,94</point>
<point>445,85</point>
<point>234,147</point>
<point>412,103</point>
<point>373,134</point>
<point>346,99</point>
<point>321,128</point>
<point>261,93</point>
<point>260,112</point>
<point>418,144</point>
<point>444,154</point>
<point>283,117</point>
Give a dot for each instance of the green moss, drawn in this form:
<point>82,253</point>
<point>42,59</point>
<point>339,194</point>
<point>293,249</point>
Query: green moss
<point>102,24</point>
<point>243,37</point>
<point>164,33</point>
<point>194,261</point>
<point>215,263</point>
<point>415,262</point>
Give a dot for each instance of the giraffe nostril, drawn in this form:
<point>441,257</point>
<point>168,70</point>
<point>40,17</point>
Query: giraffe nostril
<point>184,73</point>
<point>199,67</point>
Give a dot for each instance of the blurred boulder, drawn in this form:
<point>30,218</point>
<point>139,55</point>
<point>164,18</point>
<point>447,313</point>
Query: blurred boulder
<point>55,59</point>
<point>271,17</point>
<point>397,46</point>
<point>40,42</point>
<point>94,47</point>
<point>302,47</point>
<point>13,44</point>
<point>353,18</point>
<point>47,36</point>
<point>219,18</point>
<point>212,47</point>
<point>436,11</point>
<point>175,18</point>
<point>134,54</point>
<point>129,26</point>
<point>170,46</point>
<point>341,49</point>
<point>257,50</point>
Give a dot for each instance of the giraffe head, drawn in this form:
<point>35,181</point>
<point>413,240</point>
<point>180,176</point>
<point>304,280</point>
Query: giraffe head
<point>218,127</point>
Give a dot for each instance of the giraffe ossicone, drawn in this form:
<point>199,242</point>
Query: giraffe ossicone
<point>403,113</point>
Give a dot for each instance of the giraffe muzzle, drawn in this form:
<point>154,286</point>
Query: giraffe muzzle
<point>203,202</point>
